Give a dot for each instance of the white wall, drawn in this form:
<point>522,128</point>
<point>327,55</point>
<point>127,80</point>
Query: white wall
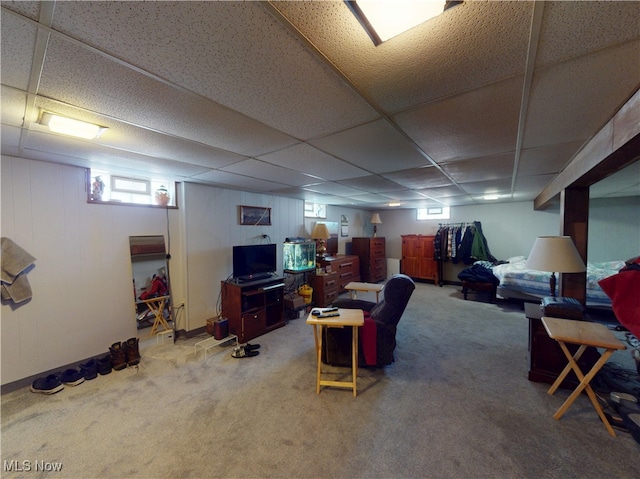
<point>82,281</point>
<point>614,229</point>
<point>510,228</point>
<point>213,228</point>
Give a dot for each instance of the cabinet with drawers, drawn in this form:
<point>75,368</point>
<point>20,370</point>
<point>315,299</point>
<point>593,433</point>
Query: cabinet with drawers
<point>373,258</point>
<point>347,268</point>
<point>325,288</point>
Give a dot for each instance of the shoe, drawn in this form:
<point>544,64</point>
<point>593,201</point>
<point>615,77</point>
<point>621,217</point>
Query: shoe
<point>251,347</point>
<point>241,352</point>
<point>131,351</point>
<point>71,377</point>
<point>118,357</point>
<point>49,385</point>
<point>89,369</point>
<point>104,364</point>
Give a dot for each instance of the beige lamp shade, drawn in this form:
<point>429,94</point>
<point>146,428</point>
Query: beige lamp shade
<point>375,219</point>
<point>555,254</point>
<point>320,231</point>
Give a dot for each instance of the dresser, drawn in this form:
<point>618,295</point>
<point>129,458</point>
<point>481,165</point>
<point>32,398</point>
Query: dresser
<point>325,288</point>
<point>347,268</point>
<point>418,257</point>
<point>373,258</point>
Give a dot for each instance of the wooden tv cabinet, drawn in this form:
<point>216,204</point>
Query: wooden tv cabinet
<point>253,308</point>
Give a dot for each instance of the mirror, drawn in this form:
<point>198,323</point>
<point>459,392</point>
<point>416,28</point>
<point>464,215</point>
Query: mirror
<point>150,282</point>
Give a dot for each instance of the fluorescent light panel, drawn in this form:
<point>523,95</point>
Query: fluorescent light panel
<point>389,18</point>
<point>71,127</point>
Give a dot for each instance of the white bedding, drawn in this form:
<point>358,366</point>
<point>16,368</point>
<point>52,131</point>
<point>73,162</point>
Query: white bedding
<point>514,276</point>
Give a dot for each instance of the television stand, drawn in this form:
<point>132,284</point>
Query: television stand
<point>253,308</point>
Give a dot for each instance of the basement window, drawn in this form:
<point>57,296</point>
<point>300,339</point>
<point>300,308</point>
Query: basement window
<point>434,213</point>
<point>314,210</point>
<point>106,187</point>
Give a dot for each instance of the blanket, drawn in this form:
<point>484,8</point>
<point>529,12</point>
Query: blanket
<point>15,261</point>
<point>623,290</point>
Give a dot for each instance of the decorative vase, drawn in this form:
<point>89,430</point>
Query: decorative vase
<point>162,196</point>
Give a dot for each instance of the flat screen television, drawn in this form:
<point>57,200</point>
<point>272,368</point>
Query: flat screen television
<point>254,262</point>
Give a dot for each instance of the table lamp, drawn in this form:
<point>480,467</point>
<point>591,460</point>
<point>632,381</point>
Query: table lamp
<point>375,221</point>
<point>321,234</point>
<point>555,254</point>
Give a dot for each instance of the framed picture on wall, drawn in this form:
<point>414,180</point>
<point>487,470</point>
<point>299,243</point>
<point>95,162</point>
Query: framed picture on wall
<point>255,215</point>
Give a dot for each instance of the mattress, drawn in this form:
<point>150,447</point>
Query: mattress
<point>515,277</point>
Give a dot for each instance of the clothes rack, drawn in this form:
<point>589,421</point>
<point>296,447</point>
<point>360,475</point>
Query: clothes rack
<point>462,241</point>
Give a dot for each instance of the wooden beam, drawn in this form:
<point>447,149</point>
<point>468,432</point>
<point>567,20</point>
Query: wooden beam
<point>574,211</point>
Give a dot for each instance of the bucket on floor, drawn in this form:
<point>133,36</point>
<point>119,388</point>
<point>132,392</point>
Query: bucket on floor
<point>306,292</point>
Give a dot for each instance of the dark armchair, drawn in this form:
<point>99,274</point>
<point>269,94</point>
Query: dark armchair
<point>377,338</point>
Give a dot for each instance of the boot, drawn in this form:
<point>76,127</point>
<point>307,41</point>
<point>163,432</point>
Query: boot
<point>132,352</point>
<point>118,358</point>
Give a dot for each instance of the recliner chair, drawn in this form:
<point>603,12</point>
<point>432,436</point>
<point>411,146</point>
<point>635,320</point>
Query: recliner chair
<point>377,338</point>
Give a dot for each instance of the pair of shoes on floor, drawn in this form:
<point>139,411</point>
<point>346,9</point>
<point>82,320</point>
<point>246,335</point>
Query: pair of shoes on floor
<point>125,354</point>
<point>54,383</point>
<point>245,351</point>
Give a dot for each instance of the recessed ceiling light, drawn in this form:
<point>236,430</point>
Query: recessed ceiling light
<point>71,127</point>
<point>394,204</point>
<point>491,197</point>
<point>385,19</point>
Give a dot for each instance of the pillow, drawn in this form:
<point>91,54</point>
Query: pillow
<point>516,259</point>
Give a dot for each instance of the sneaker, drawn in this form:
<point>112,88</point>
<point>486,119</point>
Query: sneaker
<point>131,351</point>
<point>49,385</point>
<point>118,358</point>
<point>71,377</point>
<point>104,364</point>
<point>89,369</point>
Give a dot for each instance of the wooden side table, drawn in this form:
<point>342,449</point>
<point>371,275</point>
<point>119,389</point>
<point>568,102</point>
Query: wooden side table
<point>583,334</point>
<point>348,317</point>
<point>355,286</point>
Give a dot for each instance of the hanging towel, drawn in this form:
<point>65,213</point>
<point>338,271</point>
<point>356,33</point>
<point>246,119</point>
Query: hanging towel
<point>15,260</point>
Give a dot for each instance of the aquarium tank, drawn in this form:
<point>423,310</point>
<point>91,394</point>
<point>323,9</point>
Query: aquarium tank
<point>299,256</point>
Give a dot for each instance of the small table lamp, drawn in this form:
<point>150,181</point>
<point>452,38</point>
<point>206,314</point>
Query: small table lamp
<point>375,221</point>
<point>321,234</point>
<point>555,254</point>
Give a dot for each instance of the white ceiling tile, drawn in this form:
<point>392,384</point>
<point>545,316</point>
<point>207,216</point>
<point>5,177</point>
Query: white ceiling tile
<point>314,162</point>
<point>226,179</point>
<point>480,122</point>
<point>235,63</point>
<point>560,113</point>
<point>296,99</point>
<point>376,147</point>
<point>481,169</point>
<point>596,26</point>
<point>14,103</point>
<point>78,76</point>
<point>547,159</point>
<point>418,178</point>
<point>18,43</point>
<point>267,171</point>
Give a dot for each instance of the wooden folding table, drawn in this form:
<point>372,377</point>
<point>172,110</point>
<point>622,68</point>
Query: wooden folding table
<point>156,306</point>
<point>348,317</point>
<point>584,334</point>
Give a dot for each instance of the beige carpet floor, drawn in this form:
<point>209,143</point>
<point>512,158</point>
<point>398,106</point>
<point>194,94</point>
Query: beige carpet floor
<point>455,404</point>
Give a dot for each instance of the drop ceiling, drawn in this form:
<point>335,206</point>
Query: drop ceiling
<point>293,99</point>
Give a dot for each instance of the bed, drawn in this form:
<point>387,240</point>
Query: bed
<point>518,282</point>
